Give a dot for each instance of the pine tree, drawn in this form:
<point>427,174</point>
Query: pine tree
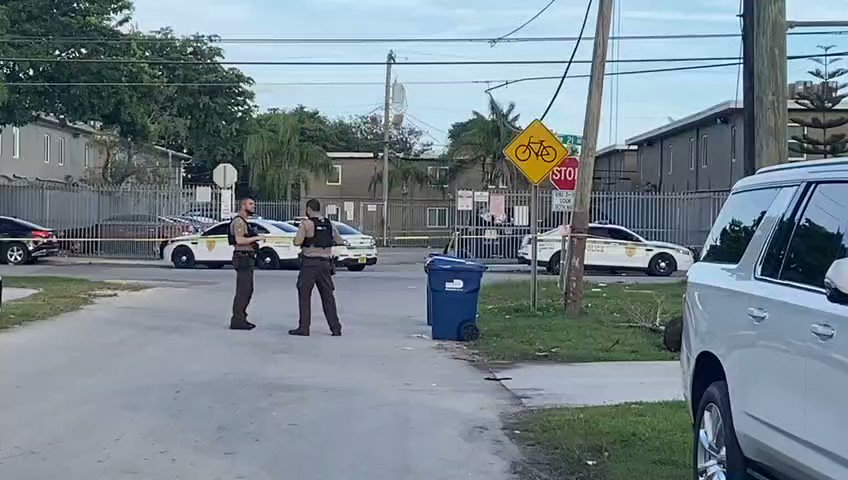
<point>823,98</point>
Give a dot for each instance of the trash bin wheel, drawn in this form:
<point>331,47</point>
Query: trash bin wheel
<point>469,332</point>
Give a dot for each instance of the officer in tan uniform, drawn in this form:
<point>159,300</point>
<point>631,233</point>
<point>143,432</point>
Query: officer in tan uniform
<point>245,243</point>
<point>316,236</point>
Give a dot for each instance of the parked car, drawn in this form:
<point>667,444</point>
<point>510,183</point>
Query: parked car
<point>212,249</point>
<point>136,235</point>
<point>198,224</point>
<point>614,247</point>
<point>23,242</point>
<point>765,337</point>
<point>359,250</point>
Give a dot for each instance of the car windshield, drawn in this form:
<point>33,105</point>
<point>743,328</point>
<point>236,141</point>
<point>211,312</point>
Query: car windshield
<point>26,224</point>
<point>346,229</point>
<point>284,226</point>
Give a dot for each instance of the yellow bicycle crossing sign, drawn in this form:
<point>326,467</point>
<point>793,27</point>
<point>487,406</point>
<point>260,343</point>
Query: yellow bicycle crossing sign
<point>536,151</point>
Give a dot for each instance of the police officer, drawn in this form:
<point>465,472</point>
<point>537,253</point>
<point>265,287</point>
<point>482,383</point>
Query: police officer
<point>245,244</point>
<point>316,236</point>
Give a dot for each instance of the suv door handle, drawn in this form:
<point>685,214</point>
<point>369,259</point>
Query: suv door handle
<point>823,332</point>
<point>758,315</point>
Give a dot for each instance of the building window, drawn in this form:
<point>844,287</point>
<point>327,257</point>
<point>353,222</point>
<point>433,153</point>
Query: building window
<point>796,131</point>
<point>61,152</point>
<point>16,142</point>
<point>46,148</point>
<point>733,143</point>
<point>692,153</point>
<point>86,160</point>
<point>705,151</point>
<point>670,160</point>
<point>335,177</point>
<point>438,176</point>
<point>437,217</point>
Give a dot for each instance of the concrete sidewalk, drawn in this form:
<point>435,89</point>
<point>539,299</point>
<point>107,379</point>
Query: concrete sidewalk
<point>12,293</point>
<point>593,384</point>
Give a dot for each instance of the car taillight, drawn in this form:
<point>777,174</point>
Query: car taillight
<point>42,234</point>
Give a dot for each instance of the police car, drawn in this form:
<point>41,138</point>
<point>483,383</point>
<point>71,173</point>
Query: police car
<point>614,247</point>
<point>212,249</point>
<point>359,250</point>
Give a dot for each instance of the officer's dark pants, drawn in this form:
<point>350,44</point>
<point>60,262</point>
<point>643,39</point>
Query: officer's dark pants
<point>317,272</point>
<point>244,263</point>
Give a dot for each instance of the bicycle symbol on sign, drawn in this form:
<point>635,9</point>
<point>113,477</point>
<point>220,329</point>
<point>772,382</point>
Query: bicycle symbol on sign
<point>545,153</point>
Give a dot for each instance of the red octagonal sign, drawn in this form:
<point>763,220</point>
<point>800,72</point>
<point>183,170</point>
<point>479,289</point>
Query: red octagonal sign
<point>564,176</point>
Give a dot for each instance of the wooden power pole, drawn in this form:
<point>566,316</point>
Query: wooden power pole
<point>387,113</point>
<point>580,216</point>
<point>765,83</point>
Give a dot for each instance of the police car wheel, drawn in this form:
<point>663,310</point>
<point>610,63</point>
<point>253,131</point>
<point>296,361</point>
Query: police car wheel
<point>267,260</point>
<point>469,333</point>
<point>183,257</point>
<point>662,265</point>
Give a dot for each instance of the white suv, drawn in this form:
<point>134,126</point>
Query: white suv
<point>765,340</point>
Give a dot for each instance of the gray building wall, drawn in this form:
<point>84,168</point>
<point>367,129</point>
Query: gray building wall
<point>356,175</point>
<point>616,171</point>
<point>81,153</point>
<point>666,160</point>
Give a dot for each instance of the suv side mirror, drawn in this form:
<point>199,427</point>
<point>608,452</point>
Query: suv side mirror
<point>836,282</point>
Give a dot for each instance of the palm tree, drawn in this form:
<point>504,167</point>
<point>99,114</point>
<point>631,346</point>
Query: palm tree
<point>403,173</point>
<point>480,141</point>
<point>279,158</point>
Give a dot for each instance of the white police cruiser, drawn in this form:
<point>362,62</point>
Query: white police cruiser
<point>614,247</point>
<point>359,250</point>
<point>212,249</point>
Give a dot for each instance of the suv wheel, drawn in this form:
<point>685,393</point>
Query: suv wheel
<point>717,453</point>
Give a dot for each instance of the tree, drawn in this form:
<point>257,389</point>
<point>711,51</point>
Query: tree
<point>403,172</point>
<point>124,162</point>
<point>364,133</point>
<point>206,121</point>
<point>479,143</point>
<point>822,98</point>
<point>279,157</point>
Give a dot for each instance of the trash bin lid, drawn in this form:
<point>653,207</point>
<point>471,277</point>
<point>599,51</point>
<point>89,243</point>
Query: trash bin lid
<point>447,262</point>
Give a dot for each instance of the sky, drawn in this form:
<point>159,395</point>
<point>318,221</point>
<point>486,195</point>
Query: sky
<point>632,104</point>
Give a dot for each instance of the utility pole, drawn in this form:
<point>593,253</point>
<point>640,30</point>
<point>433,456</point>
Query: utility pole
<point>580,216</point>
<point>765,85</point>
<point>387,107</point>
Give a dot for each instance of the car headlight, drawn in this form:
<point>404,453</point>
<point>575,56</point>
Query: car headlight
<point>684,251</point>
<point>346,243</point>
<point>372,243</point>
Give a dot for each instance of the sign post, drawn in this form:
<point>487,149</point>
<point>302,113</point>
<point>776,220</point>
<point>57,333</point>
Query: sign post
<point>225,176</point>
<point>535,152</point>
<point>564,178</point>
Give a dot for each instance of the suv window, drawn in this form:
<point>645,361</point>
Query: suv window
<point>818,238</point>
<point>735,226</point>
<point>220,229</point>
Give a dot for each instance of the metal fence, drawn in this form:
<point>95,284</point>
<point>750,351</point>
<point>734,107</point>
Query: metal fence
<point>134,222</point>
<point>681,218</point>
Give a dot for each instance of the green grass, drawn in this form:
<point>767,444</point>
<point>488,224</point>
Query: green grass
<point>57,295</point>
<point>605,332</point>
<point>626,442</point>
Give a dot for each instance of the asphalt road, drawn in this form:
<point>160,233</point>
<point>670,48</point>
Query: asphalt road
<point>153,386</point>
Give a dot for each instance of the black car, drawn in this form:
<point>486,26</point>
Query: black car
<point>23,242</point>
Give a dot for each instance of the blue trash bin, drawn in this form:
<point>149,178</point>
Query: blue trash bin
<point>453,288</point>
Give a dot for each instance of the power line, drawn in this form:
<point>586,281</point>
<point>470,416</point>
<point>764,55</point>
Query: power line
<point>425,123</point>
<point>235,84</point>
<point>615,74</point>
<point>157,61</point>
<point>367,40</point>
<point>570,61</point>
<point>653,70</point>
<point>521,27</point>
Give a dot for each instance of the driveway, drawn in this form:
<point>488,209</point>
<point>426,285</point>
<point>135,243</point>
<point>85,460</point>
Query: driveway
<point>153,386</point>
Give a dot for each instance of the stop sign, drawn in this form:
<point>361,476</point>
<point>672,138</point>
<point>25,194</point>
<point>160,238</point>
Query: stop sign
<point>564,176</point>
